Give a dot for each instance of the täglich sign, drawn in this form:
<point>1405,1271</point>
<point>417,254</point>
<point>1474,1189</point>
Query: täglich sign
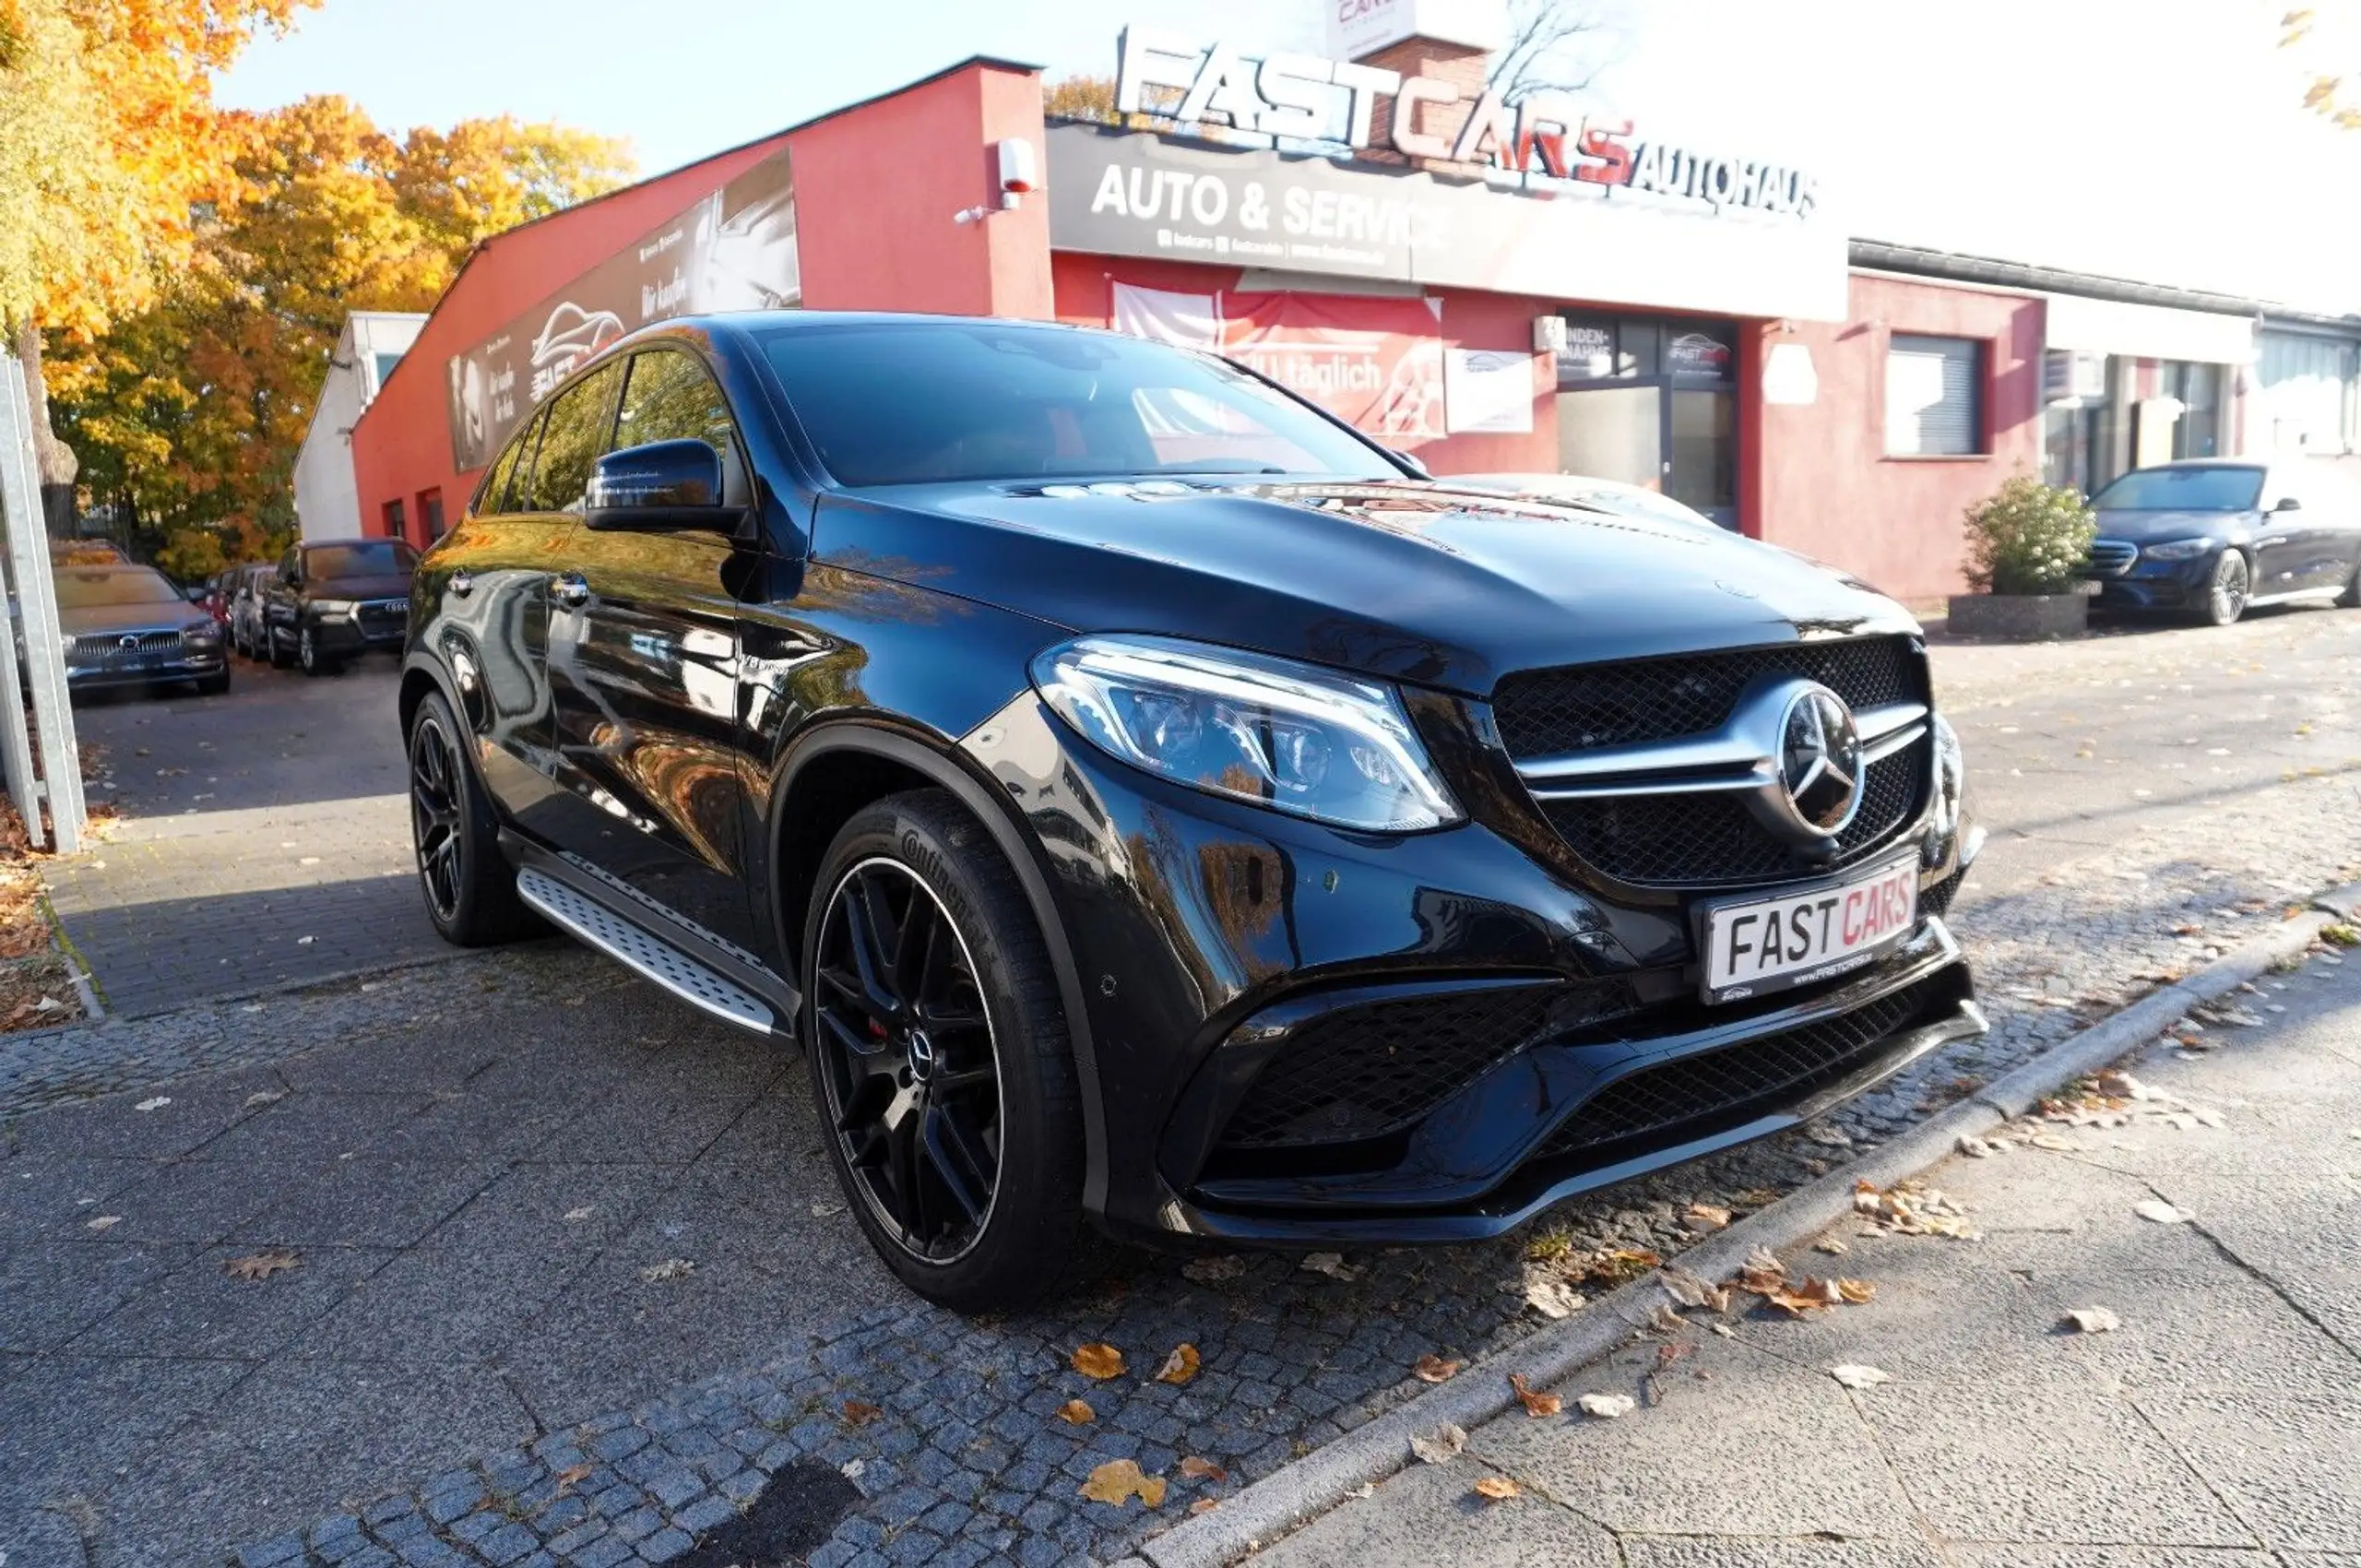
<point>1302,103</point>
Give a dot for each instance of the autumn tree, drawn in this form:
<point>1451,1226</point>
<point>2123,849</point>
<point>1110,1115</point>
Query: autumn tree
<point>2311,29</point>
<point>187,415</point>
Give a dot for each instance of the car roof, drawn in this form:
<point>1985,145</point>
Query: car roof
<point>2205,463</point>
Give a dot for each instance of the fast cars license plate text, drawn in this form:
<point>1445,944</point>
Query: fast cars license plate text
<point>1763,945</point>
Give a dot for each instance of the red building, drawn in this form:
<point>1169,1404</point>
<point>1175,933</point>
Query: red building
<point>1493,289</point>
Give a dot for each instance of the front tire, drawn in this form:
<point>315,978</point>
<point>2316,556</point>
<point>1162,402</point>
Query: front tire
<point>2351,598</point>
<point>215,685</point>
<point>2226,590</point>
<point>311,656</point>
<point>941,1059</point>
<point>279,657</point>
<point>469,886</point>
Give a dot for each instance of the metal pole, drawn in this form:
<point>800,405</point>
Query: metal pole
<point>36,592</point>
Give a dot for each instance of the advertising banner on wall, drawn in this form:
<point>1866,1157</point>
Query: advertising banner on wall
<point>1137,194</point>
<point>1376,363</point>
<point>734,249</point>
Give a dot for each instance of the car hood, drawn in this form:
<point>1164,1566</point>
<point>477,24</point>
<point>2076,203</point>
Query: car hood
<point>1413,581</point>
<point>2155,526</point>
<point>392,585</point>
<point>89,619</point>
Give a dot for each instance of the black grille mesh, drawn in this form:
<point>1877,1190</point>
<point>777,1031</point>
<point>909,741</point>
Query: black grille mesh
<point>1718,1083</point>
<point>1710,839</point>
<point>1548,712</point>
<point>1363,1072</point>
<point>1937,900</point>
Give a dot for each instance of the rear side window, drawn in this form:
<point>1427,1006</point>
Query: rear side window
<point>573,435</point>
<point>669,396</point>
<point>495,488</point>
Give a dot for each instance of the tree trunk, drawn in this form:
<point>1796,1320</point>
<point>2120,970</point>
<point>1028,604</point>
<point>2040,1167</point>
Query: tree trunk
<point>53,460</point>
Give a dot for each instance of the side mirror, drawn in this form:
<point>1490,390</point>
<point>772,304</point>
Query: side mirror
<point>2288,503</point>
<point>1413,462</point>
<point>665,484</point>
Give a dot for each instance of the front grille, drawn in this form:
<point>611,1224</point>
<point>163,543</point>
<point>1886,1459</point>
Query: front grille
<point>2112,557</point>
<point>1710,839</point>
<point>1937,900</point>
<point>1553,712</point>
<point>383,614</point>
<point>104,646</point>
<point>1719,1083</point>
<point>1366,1071</point>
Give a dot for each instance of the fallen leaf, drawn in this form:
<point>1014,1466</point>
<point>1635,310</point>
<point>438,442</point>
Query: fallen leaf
<point>1204,1505</point>
<point>1832,1136</point>
<point>263,1265</point>
<point>2055,1143</point>
<point>1180,1366</point>
<point>1536,1404</point>
<point>1619,1266</point>
<point>1098,1362</point>
<point>1763,1272</point>
<point>1548,1246</point>
<point>1979,1149</point>
<point>1198,1469</point>
<point>826,1210</point>
<point>1116,1481</point>
<point>1708,1217</point>
<point>156,1102</point>
<point>573,1476</point>
<point>1214,1270</point>
<point>1498,1488</point>
<point>1854,1376</point>
<point>1607,1406</point>
<point>1666,1322</point>
<point>577,1216</point>
<point>1551,1296</point>
<point>1441,1446</point>
<point>857,1413</point>
<point>670,1269</point>
<point>265,1096</point>
<point>1434,1369</point>
<point>1832,1244</point>
<point>1333,1264</point>
<point>1725,1330</point>
<point>1690,1290</point>
<point>2094,1320</point>
<point>1076,1413</point>
<point>2205,1117</point>
<point>103,1222</point>
<point>2158,1211</point>
<point>1857,1292</point>
<point>2122,1085</point>
<point>1811,1296</point>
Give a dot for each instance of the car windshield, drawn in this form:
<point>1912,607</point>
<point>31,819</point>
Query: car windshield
<point>915,403</point>
<point>375,558</point>
<point>85,590</point>
<point>2182,490</point>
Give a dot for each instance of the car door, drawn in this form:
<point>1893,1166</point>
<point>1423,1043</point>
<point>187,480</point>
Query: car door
<point>643,673</point>
<point>279,602</point>
<point>2288,540</point>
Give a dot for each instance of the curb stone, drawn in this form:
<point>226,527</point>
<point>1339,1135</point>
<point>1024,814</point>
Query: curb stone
<point>1295,1495</point>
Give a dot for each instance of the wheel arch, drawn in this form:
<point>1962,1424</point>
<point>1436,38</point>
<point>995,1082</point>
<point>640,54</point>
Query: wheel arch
<point>838,768</point>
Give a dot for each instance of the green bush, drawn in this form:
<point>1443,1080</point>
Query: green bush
<point>2028,538</point>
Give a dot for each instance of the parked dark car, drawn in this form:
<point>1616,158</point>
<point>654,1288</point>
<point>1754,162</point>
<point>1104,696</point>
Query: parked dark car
<point>2213,538</point>
<point>1153,807</point>
<point>127,625</point>
<point>333,601</point>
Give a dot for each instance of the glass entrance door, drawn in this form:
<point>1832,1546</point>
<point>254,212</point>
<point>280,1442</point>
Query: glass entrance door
<point>1612,432</point>
<point>1653,402</point>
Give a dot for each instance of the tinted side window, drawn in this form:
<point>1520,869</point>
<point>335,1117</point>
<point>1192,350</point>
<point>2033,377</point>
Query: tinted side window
<point>517,495</point>
<point>572,438</point>
<point>495,483</point>
<point>670,398</point>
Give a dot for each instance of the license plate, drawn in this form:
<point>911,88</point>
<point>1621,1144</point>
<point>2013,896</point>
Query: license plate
<point>1756,946</point>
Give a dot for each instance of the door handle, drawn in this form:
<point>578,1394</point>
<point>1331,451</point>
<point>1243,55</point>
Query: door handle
<point>571,590</point>
<point>462,583</point>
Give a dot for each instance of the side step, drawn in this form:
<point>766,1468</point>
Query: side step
<point>646,954</point>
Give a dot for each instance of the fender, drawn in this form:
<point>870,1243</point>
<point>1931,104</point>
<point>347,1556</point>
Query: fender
<point>991,807</point>
<point>415,662</point>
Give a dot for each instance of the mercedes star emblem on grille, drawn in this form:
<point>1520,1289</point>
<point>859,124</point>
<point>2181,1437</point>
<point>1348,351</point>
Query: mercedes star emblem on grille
<point>1819,761</point>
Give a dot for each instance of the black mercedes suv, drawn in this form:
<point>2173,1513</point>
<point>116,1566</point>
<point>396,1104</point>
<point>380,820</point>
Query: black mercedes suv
<point>1153,806</point>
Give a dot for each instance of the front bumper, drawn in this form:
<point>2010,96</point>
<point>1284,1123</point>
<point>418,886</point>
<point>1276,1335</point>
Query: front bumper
<point>345,635</point>
<point>1522,1000</point>
<point>194,664</point>
<point>2156,585</point>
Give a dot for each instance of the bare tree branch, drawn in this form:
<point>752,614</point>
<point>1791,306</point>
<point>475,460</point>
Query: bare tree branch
<point>1555,46</point>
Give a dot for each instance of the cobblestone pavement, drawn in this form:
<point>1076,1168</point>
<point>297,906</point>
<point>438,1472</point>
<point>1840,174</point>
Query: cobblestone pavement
<point>2214,1423</point>
<point>494,1169</point>
<point>264,839</point>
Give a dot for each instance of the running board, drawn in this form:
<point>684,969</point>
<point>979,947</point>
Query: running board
<point>642,952</point>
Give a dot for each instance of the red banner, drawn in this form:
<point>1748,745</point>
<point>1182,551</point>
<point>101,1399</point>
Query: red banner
<point>1376,363</point>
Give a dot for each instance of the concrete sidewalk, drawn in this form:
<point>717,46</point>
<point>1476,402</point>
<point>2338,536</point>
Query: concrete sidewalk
<point>2218,1424</point>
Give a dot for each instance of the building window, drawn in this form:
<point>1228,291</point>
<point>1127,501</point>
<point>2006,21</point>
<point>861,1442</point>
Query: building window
<point>2309,395</point>
<point>430,512</point>
<point>2198,432</point>
<point>1934,404</point>
<point>395,523</point>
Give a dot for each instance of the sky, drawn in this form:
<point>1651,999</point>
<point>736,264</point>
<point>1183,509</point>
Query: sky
<point>2157,139</point>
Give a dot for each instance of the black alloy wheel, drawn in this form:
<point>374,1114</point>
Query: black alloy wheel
<point>939,1058</point>
<point>2228,590</point>
<point>308,654</point>
<point>912,1071</point>
<point>469,886</point>
<point>435,805</point>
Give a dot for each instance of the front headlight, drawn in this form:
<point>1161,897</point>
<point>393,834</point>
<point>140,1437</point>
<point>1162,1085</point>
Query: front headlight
<point>2177,549</point>
<point>202,631</point>
<point>1266,731</point>
<point>1951,780</point>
